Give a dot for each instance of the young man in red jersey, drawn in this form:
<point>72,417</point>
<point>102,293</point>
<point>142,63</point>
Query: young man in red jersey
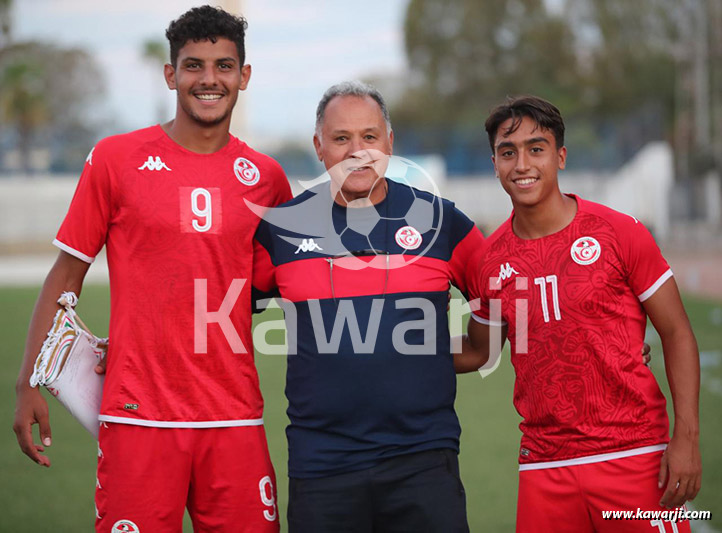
<point>571,284</point>
<point>182,411</point>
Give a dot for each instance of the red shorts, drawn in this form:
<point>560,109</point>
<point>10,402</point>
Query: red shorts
<point>147,476</point>
<point>573,498</point>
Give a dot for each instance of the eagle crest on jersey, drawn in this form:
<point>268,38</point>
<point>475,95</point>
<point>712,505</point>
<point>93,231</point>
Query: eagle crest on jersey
<point>246,172</point>
<point>585,250</point>
<point>408,238</point>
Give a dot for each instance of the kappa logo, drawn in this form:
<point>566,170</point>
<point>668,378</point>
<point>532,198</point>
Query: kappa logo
<point>308,245</point>
<point>89,159</point>
<point>585,250</point>
<point>246,172</point>
<point>125,526</point>
<point>506,271</point>
<point>153,163</point>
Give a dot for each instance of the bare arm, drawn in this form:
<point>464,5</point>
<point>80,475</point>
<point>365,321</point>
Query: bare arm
<point>681,467</point>
<point>476,346</point>
<point>31,408</point>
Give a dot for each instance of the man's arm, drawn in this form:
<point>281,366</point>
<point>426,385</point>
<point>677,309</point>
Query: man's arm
<point>31,408</point>
<point>681,467</point>
<point>475,346</point>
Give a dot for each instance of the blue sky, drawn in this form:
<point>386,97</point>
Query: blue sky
<point>297,49</point>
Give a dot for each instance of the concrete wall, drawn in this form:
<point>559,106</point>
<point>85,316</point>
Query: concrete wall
<point>31,210</point>
<point>641,188</point>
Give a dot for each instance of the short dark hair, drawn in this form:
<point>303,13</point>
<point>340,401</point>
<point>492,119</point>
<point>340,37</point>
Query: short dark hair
<point>206,23</point>
<point>545,114</point>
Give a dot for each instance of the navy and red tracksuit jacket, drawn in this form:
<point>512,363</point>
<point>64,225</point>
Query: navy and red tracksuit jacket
<point>370,373</point>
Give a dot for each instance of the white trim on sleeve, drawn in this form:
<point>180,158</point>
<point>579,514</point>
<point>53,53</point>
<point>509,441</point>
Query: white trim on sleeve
<point>593,458</point>
<point>487,322</point>
<point>656,285</point>
<point>72,251</point>
<point>180,424</point>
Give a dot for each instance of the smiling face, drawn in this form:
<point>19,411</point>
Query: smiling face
<point>527,162</point>
<point>354,145</point>
<point>207,78</point>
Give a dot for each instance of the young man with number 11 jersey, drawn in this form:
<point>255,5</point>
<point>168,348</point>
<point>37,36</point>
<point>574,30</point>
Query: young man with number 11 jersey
<point>571,284</point>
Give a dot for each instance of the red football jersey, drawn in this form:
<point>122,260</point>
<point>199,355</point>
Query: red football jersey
<point>179,239</point>
<point>581,386</point>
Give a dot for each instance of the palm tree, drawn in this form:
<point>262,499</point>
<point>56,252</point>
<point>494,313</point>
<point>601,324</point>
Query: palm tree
<point>5,22</point>
<point>23,102</point>
<point>154,51</point>
<point>45,92</point>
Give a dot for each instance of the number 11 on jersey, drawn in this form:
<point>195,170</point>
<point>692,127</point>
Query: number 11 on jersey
<point>542,283</point>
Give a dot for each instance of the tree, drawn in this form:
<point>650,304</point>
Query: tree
<point>5,22</point>
<point>23,102</point>
<point>465,56</point>
<point>45,94</point>
<point>664,55</point>
<point>623,73</point>
<point>155,52</point>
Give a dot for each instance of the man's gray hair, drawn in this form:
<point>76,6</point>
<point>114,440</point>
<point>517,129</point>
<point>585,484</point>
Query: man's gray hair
<point>351,88</point>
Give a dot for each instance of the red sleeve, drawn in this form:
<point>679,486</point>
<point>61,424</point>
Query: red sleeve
<point>485,284</point>
<point>84,230</point>
<point>264,271</point>
<point>488,308</point>
<point>264,284</point>
<point>475,293</point>
<point>282,188</point>
<point>466,241</point>
<point>484,290</point>
<point>646,268</point>
<point>465,262</point>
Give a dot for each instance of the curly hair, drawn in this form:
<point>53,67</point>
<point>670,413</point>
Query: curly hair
<point>545,114</point>
<point>206,23</point>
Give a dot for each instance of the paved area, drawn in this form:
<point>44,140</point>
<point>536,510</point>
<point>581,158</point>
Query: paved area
<point>30,270</point>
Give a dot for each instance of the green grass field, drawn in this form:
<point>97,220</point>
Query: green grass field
<point>34,499</point>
